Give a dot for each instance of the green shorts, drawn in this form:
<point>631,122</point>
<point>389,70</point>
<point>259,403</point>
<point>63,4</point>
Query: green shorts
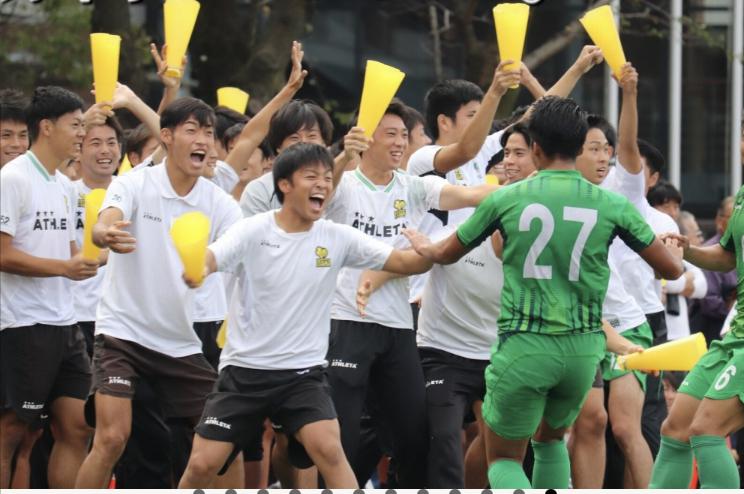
<point>534,376</point>
<point>640,335</point>
<point>719,374</point>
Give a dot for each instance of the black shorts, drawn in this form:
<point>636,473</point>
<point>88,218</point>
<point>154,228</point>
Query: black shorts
<point>449,375</point>
<point>598,379</point>
<point>88,328</point>
<point>39,364</point>
<point>207,333</point>
<point>243,398</point>
<point>182,383</point>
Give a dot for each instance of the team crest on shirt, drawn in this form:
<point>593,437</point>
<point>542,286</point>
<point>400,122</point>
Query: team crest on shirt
<point>459,175</point>
<point>81,201</point>
<point>400,208</point>
<point>322,261</point>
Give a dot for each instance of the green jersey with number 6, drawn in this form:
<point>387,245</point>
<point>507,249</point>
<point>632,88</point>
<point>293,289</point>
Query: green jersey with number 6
<point>557,228</point>
<point>733,241</point>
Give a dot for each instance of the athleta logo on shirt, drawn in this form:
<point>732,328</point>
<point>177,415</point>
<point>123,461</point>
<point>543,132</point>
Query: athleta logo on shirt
<point>400,208</point>
<point>365,225</point>
<point>149,216</point>
<point>217,422</point>
<point>479,264</point>
<point>45,220</point>
<point>266,243</point>
<point>345,365</point>
<point>30,405</point>
<point>322,261</point>
<point>434,382</point>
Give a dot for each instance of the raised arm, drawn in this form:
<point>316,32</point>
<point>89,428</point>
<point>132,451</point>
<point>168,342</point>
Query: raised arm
<point>589,57</point>
<point>628,154</point>
<point>171,85</point>
<point>126,98</point>
<point>531,83</point>
<point>455,155</point>
<point>458,196</point>
<point>258,127</point>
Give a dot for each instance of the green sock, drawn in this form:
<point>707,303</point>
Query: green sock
<point>716,466</point>
<point>552,467</point>
<point>673,465</point>
<point>507,474</point>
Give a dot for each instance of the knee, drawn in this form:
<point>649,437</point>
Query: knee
<point>13,430</point>
<point>71,430</point>
<point>328,452</point>
<point>703,426</point>
<point>111,441</point>
<point>593,423</point>
<point>625,432</point>
<point>675,428</point>
<point>202,466</point>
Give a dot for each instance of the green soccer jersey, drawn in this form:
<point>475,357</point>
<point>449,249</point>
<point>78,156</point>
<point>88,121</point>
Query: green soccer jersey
<point>733,241</point>
<point>557,228</point>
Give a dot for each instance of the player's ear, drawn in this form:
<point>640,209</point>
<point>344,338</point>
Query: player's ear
<point>285,185</point>
<point>166,136</point>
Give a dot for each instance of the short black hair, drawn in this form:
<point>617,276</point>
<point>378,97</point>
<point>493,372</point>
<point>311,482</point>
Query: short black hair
<point>224,119</point>
<point>296,157</point>
<point>231,133</point>
<point>654,159</point>
<point>446,98</point>
<point>136,139</point>
<point>49,102</point>
<point>558,126</point>
<point>400,109</point>
<point>414,118</point>
<point>518,128</point>
<point>297,115</point>
<point>663,192</point>
<point>599,122</point>
<point>181,109</point>
<point>12,106</point>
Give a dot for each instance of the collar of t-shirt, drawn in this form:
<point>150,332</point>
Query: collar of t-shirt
<point>371,185</point>
<point>166,188</point>
<point>40,168</point>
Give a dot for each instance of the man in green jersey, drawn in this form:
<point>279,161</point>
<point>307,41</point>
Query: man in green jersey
<point>557,228</point>
<point>710,401</point>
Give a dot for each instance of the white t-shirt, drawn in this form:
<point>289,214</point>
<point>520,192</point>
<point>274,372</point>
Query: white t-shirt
<point>678,326</point>
<point>36,210</point>
<point>421,163</point>
<point>280,309</point>
<point>638,276</point>
<point>620,308</point>
<point>461,303</point>
<point>381,212</point>
<point>258,196</point>
<point>225,177</point>
<point>85,293</point>
<point>144,297</point>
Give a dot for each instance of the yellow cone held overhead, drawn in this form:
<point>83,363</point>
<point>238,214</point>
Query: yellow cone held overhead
<point>180,18</point>
<point>233,98</point>
<point>678,355</point>
<point>190,234</point>
<point>381,82</point>
<point>510,20</point>
<point>104,49</point>
<point>93,202</point>
<point>600,24</point>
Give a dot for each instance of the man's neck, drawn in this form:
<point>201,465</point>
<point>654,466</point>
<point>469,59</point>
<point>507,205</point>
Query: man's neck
<point>375,174</point>
<point>290,222</point>
<point>93,182</point>
<point>46,156</point>
<point>180,182</point>
<point>561,165</point>
<point>445,140</point>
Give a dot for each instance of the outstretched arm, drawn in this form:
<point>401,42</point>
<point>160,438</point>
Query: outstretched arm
<point>589,57</point>
<point>458,196</point>
<point>628,154</point>
<point>171,85</point>
<point>710,257</point>
<point>446,251</point>
<point>257,128</point>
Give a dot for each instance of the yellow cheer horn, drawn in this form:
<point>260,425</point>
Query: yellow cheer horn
<point>510,20</point>
<point>600,24</point>
<point>190,234</point>
<point>104,49</point>
<point>677,355</point>
<point>381,82</point>
<point>233,98</point>
<point>93,202</point>
<point>180,18</point>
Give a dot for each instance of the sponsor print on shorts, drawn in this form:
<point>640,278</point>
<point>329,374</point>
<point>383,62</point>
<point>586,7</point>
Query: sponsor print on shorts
<point>215,421</point>
<point>434,382</point>
<point>30,405</point>
<point>344,365</point>
<point>119,380</point>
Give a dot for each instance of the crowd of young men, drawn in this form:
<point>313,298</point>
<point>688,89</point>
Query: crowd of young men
<point>333,357</point>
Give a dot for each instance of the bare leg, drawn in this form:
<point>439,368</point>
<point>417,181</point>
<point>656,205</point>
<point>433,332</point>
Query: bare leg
<point>322,441</point>
<point>22,471</point>
<point>476,464</point>
<point>586,444</point>
<point>12,432</point>
<point>207,458</point>
<point>71,438</point>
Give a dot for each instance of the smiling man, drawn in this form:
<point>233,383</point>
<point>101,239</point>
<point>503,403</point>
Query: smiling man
<point>13,130</point>
<point>145,317</point>
<point>43,361</point>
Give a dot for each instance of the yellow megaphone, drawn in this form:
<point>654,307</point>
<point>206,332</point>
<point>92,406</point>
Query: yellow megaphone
<point>179,17</point>
<point>380,85</point>
<point>510,20</point>
<point>93,202</point>
<point>233,98</point>
<point>677,355</point>
<point>600,24</point>
<point>190,234</point>
<point>104,49</point>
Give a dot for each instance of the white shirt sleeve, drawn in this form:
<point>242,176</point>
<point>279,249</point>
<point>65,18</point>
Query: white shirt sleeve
<point>339,200</point>
<point>121,195</point>
<point>228,213</point>
<point>632,186</point>
<point>428,190</point>
<point>256,197</point>
<point>14,189</point>
<point>363,251</point>
<point>422,161</point>
<point>234,245</point>
<point>225,177</point>
<point>699,281</point>
<point>491,146</point>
